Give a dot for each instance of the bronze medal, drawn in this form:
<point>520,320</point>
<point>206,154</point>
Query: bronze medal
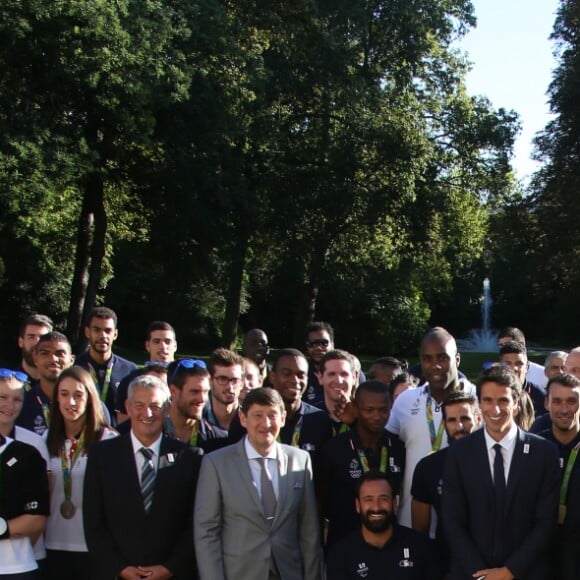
<point>561,514</point>
<point>67,509</point>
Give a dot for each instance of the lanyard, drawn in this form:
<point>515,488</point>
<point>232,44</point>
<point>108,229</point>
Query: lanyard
<point>365,462</point>
<point>344,427</point>
<point>565,481</point>
<point>170,430</point>
<point>436,438</point>
<point>45,410</point>
<point>67,462</point>
<point>295,433</point>
<point>106,382</point>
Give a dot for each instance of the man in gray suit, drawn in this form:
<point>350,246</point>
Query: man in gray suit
<point>256,516</point>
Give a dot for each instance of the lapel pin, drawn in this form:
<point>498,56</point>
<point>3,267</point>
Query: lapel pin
<point>11,461</point>
<point>526,448</point>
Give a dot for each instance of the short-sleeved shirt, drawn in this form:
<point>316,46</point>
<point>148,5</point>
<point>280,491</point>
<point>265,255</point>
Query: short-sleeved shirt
<point>340,468</point>
<point>408,555</point>
<point>408,420</point>
<point>24,492</point>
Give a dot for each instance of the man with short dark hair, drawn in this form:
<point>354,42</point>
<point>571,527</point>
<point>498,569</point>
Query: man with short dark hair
<point>52,354</point>
<point>255,511</point>
<point>31,329</point>
<point>563,404</point>
<point>535,373</point>
<point>416,418</point>
<point>381,548</point>
<point>345,458</point>
<point>319,341</point>
<point>514,356</point>
<point>385,369</point>
<point>106,368</point>
<point>189,385</point>
<point>256,348</point>
<point>500,491</point>
<point>225,369</point>
<point>461,416</point>
<point>138,522</point>
<point>306,427</point>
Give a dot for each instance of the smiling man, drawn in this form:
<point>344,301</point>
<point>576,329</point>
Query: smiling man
<point>138,523</point>
<point>380,548</point>
<point>255,511</point>
<point>417,417</point>
<point>500,492</point>
<point>563,404</point>
<point>52,354</point>
<point>107,369</point>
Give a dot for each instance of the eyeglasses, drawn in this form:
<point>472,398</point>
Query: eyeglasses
<point>8,374</point>
<point>188,363</point>
<point>317,342</point>
<point>222,380</point>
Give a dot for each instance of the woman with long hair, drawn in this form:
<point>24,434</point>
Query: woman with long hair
<point>76,423</point>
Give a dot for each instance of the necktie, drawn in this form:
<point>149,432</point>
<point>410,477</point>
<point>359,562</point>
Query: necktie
<point>499,494</point>
<point>268,495</point>
<point>147,478</point>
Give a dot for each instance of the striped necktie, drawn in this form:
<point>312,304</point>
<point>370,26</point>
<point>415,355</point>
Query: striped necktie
<point>147,478</point>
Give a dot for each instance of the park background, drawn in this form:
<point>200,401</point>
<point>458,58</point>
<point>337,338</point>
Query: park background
<point>226,165</point>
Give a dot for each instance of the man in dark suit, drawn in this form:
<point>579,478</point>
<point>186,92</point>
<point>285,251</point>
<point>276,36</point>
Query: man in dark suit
<point>500,491</point>
<point>139,495</point>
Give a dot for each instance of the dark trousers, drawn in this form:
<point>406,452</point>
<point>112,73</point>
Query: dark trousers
<point>62,565</point>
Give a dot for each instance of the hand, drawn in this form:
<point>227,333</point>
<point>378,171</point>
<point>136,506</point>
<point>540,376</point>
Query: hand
<point>132,573</point>
<point>345,410</point>
<point>503,573</point>
<point>157,572</point>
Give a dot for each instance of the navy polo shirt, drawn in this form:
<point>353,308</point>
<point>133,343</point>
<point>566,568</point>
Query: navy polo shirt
<point>408,555</point>
<point>35,409</point>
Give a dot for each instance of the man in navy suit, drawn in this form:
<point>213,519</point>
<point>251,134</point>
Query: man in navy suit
<point>139,495</point>
<point>500,491</point>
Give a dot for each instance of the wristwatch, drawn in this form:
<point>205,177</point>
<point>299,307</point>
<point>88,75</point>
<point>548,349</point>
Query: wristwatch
<point>4,530</point>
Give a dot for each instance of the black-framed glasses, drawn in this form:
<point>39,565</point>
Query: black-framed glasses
<point>317,342</point>
<point>8,374</point>
<point>188,363</point>
<point>222,380</point>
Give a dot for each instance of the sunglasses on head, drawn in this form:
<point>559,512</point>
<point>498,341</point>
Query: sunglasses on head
<point>8,374</point>
<point>188,363</point>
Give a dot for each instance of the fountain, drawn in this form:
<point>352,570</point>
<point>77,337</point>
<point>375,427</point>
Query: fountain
<point>482,339</point>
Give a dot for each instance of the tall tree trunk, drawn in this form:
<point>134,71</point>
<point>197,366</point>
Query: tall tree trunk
<point>90,251</point>
<point>305,306</point>
<point>234,293</point>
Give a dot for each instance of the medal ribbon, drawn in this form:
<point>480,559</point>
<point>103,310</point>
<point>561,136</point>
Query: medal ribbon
<point>295,433</point>
<point>566,480</point>
<point>68,461</point>
<point>365,462</point>
<point>194,434</point>
<point>436,438</point>
<point>45,410</point>
<point>106,382</point>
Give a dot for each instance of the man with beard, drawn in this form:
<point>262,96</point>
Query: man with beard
<point>416,417</point>
<point>344,459</point>
<point>31,329</point>
<point>52,355</point>
<point>225,369</point>
<point>381,548</point>
<point>563,404</point>
<point>461,417</point>
<point>306,426</point>
<point>106,368</point>
<point>189,385</point>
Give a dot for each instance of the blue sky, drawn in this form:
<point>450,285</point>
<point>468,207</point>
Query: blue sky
<point>513,63</point>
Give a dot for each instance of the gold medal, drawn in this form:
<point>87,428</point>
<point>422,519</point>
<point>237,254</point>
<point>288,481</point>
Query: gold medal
<point>67,509</point>
<point>561,514</point>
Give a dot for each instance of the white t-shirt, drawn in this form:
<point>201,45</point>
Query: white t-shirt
<point>63,534</point>
<point>408,420</point>
<point>34,439</point>
<point>537,376</point>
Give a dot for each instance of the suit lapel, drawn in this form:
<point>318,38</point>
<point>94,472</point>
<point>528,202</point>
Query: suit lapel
<point>127,473</point>
<point>283,482</point>
<point>481,467</point>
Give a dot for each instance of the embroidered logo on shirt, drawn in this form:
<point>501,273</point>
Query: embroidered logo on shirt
<point>354,469</point>
<point>363,570</point>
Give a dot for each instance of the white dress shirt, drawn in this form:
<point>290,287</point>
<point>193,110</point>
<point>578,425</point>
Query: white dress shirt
<point>508,444</point>
<point>256,468</point>
<point>140,458</point>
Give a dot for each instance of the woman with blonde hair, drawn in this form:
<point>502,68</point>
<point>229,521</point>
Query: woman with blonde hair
<point>76,422</point>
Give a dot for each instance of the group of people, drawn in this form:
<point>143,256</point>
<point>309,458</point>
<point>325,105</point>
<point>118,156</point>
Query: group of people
<point>294,468</point>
